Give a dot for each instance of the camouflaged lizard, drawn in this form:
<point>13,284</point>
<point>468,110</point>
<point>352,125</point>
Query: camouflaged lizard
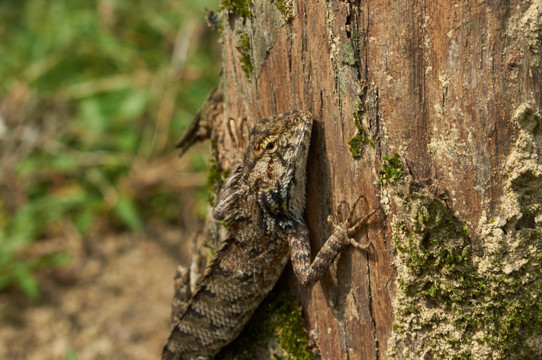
<point>262,203</point>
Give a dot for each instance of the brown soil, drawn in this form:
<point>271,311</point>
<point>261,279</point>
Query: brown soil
<point>112,303</point>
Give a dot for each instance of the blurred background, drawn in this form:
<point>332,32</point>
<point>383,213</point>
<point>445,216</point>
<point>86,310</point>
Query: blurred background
<point>94,200</point>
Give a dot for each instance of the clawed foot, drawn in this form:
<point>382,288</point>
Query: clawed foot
<point>346,227</point>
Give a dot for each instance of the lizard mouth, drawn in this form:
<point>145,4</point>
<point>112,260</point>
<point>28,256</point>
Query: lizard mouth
<point>301,131</point>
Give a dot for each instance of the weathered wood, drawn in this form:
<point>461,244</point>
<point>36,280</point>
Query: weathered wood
<point>446,85</point>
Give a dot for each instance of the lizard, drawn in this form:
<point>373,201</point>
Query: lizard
<point>261,204</point>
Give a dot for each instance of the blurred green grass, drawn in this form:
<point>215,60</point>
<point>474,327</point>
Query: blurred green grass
<point>93,97</point>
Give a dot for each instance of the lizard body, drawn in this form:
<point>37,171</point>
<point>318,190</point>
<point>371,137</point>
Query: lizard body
<point>262,203</point>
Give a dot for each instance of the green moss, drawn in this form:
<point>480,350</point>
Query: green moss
<point>392,170</point>
<point>347,54</point>
<point>466,307</point>
<point>432,243</point>
<point>237,7</point>
<point>286,8</point>
<point>215,179</point>
<point>244,49</point>
<point>361,139</point>
<point>275,331</point>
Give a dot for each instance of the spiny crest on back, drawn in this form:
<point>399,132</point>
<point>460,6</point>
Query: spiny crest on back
<point>272,172</point>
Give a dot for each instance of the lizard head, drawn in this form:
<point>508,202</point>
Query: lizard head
<point>277,155</point>
<point>272,173</point>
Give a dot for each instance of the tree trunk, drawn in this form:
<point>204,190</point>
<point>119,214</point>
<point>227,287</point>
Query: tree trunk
<point>430,109</point>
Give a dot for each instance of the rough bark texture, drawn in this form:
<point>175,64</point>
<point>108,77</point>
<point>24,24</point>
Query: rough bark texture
<point>454,88</point>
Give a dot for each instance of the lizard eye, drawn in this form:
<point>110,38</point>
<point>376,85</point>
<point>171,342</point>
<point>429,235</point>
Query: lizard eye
<point>270,145</point>
<point>264,186</point>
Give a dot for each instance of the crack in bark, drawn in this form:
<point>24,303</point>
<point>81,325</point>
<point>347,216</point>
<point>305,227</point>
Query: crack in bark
<point>377,130</point>
<point>371,312</point>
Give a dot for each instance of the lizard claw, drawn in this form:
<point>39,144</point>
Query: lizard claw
<point>359,246</point>
<point>354,228</point>
<point>354,206</point>
<point>344,222</point>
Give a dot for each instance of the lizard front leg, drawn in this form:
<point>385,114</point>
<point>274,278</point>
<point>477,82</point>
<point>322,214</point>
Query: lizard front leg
<point>344,228</point>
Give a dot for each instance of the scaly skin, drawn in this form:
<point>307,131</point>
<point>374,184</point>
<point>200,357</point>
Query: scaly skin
<point>262,203</point>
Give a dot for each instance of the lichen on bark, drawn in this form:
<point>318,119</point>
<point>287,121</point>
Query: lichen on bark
<point>244,49</point>
<point>473,295</point>
<point>531,25</point>
<point>358,142</point>
<point>286,8</point>
<point>237,7</point>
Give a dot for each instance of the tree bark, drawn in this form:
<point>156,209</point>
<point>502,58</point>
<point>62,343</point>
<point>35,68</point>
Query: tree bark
<point>454,89</point>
